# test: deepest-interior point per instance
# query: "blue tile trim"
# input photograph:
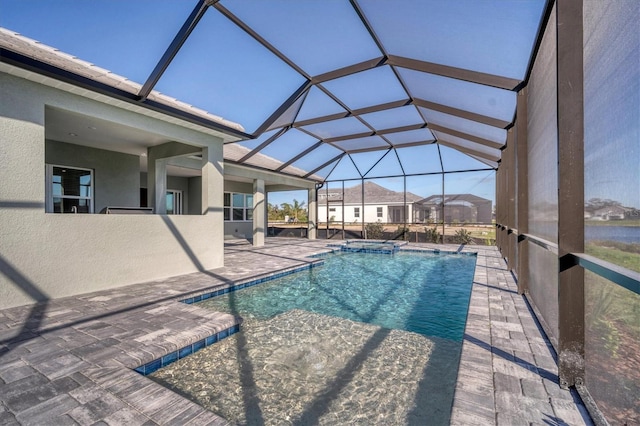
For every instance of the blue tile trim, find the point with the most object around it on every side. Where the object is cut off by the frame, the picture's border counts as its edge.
(438, 251)
(157, 364)
(241, 285)
(366, 250)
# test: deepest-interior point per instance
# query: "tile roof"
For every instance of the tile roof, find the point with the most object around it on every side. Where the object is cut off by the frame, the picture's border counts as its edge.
(33, 49)
(373, 193)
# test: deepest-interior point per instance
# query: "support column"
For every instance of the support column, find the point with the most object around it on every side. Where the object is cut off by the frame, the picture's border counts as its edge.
(442, 208)
(259, 209)
(511, 205)
(362, 210)
(156, 182)
(266, 213)
(312, 213)
(522, 174)
(212, 181)
(570, 95)
(157, 159)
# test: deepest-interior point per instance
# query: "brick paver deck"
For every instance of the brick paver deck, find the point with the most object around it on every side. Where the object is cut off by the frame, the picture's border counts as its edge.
(69, 361)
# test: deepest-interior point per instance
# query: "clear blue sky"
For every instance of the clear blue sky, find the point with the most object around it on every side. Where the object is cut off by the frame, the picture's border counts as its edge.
(221, 69)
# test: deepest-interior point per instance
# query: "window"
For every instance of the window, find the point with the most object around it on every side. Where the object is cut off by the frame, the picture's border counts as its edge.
(356, 212)
(238, 207)
(379, 211)
(69, 190)
(174, 201)
(332, 209)
(227, 206)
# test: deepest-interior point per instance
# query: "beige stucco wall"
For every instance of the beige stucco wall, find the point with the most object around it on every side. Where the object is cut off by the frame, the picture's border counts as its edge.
(235, 229)
(116, 175)
(183, 184)
(45, 256)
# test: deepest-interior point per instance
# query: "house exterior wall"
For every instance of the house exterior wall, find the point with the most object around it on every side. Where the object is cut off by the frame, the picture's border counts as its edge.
(177, 183)
(485, 214)
(277, 182)
(238, 229)
(370, 212)
(45, 256)
(195, 195)
(116, 175)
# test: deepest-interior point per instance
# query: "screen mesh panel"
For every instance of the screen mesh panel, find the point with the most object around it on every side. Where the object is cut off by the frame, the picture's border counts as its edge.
(612, 129)
(543, 286)
(543, 140)
(612, 333)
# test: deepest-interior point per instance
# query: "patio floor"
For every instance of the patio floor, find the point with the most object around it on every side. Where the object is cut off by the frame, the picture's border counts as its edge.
(69, 361)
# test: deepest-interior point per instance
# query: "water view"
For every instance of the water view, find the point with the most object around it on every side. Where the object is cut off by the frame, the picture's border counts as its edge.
(623, 234)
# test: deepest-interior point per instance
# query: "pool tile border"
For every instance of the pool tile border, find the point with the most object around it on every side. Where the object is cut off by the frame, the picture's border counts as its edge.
(249, 283)
(153, 366)
(397, 249)
(436, 251)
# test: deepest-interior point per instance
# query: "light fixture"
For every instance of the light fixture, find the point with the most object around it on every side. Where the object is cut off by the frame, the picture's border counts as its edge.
(73, 134)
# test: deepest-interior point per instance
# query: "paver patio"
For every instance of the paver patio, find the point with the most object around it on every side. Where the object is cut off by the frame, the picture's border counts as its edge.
(69, 361)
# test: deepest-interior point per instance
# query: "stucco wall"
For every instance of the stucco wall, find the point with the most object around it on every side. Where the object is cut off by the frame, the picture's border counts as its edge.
(45, 256)
(235, 229)
(116, 175)
(178, 183)
(195, 195)
(240, 187)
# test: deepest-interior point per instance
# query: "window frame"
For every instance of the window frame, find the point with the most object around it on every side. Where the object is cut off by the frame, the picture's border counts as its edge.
(356, 212)
(230, 209)
(178, 201)
(379, 212)
(49, 188)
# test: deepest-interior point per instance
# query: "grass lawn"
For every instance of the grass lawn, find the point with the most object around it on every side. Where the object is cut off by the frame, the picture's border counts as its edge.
(626, 259)
(626, 222)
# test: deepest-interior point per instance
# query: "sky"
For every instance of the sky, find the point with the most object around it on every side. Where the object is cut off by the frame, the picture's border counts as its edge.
(224, 71)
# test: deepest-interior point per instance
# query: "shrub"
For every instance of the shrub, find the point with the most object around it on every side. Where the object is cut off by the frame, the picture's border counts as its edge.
(463, 237)
(374, 231)
(433, 236)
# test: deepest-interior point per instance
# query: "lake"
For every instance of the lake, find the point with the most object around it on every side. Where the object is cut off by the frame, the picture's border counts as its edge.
(623, 234)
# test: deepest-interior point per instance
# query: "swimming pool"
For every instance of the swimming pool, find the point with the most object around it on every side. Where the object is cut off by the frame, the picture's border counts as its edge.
(424, 292)
(364, 339)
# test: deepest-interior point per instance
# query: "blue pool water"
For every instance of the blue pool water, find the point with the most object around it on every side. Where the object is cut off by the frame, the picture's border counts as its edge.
(425, 293)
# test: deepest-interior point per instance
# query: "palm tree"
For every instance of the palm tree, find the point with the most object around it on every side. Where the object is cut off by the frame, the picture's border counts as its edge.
(274, 212)
(296, 209)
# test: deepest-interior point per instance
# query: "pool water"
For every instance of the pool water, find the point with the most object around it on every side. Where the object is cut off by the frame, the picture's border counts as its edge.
(424, 293)
(371, 339)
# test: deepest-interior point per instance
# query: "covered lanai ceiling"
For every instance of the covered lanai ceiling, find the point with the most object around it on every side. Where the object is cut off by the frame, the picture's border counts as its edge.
(328, 89)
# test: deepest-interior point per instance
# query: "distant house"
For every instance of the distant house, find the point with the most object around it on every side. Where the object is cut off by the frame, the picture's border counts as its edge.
(610, 213)
(387, 206)
(381, 204)
(457, 208)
